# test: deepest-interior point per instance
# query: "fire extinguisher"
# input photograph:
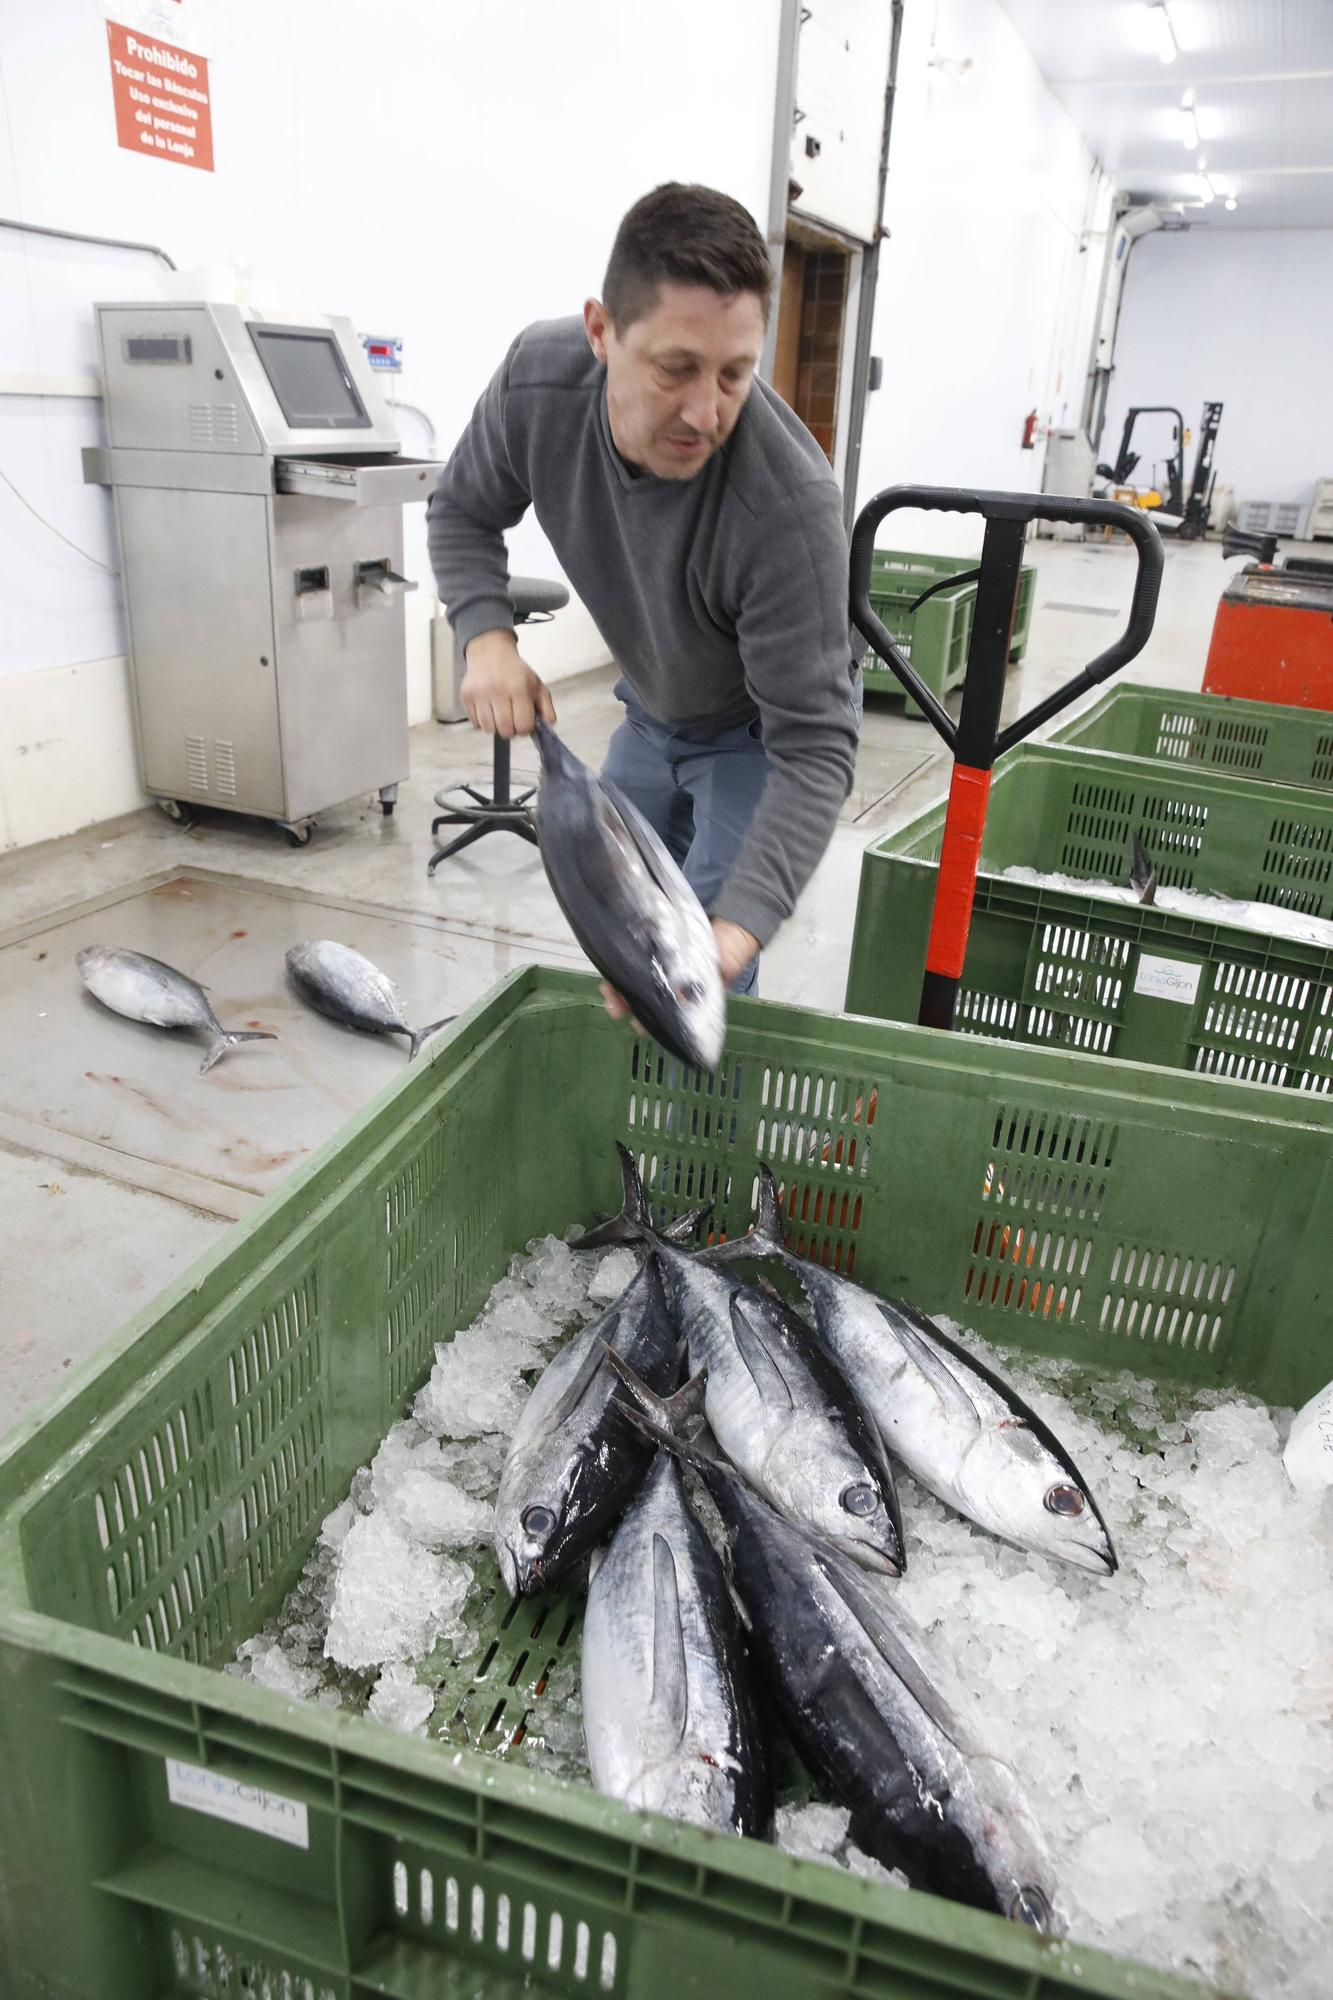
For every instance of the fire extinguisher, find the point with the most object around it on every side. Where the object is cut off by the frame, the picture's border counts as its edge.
(1030, 431)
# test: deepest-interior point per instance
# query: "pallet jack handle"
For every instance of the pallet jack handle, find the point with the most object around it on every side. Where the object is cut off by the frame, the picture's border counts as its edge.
(977, 739)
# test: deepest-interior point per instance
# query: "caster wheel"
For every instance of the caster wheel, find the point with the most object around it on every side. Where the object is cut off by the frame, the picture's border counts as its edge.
(387, 806)
(174, 810)
(298, 836)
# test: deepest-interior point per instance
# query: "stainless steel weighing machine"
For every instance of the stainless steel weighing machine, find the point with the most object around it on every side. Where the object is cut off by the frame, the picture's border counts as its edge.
(258, 487)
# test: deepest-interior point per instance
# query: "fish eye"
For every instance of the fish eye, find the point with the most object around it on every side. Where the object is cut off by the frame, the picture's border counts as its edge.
(688, 991)
(859, 1500)
(1031, 1906)
(538, 1522)
(1066, 1501)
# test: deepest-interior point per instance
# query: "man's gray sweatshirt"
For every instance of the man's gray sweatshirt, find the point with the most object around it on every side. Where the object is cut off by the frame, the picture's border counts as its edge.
(722, 598)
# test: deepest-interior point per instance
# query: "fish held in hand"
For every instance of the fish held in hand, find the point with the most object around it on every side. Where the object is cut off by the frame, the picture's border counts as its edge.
(143, 989)
(957, 1427)
(629, 906)
(349, 988)
(669, 1714)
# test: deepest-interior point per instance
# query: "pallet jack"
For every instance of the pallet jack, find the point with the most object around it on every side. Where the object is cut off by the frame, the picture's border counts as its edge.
(976, 739)
(1273, 632)
(1176, 513)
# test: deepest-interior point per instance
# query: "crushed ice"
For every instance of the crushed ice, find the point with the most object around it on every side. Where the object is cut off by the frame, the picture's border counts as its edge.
(1172, 1728)
(1269, 918)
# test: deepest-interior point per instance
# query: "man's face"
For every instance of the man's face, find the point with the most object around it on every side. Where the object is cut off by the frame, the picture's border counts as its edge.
(678, 376)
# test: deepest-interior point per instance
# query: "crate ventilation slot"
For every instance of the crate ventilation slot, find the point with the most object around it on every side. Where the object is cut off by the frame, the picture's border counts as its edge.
(674, 1182)
(165, 1556)
(672, 1100)
(217, 1973)
(288, 1495)
(274, 1370)
(986, 1013)
(1097, 830)
(1220, 741)
(1164, 1297)
(512, 1927)
(1322, 768)
(1297, 866)
(821, 1221)
(1038, 1272)
(817, 1121)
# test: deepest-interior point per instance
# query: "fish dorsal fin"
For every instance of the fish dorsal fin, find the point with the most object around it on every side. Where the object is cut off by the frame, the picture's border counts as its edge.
(899, 1651)
(758, 1356)
(933, 1365)
(576, 1388)
(671, 1687)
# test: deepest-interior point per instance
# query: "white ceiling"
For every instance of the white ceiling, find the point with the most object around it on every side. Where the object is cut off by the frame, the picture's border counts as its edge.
(1262, 76)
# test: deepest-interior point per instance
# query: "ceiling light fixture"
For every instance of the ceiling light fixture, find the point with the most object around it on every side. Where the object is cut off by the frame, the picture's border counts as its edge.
(1162, 32)
(1207, 192)
(1189, 124)
(1230, 201)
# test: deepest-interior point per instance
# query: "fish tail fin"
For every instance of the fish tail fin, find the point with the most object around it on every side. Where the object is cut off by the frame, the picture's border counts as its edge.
(764, 1237)
(226, 1040)
(1142, 874)
(416, 1036)
(633, 1224)
(673, 1420)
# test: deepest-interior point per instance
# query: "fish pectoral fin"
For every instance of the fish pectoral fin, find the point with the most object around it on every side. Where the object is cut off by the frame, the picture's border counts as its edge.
(932, 1364)
(635, 831)
(670, 1699)
(898, 1651)
(583, 1377)
(758, 1356)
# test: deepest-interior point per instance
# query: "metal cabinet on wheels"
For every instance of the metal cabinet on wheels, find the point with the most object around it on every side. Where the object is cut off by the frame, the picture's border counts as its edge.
(258, 488)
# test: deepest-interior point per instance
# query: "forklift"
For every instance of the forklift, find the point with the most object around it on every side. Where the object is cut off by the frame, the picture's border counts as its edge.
(1184, 517)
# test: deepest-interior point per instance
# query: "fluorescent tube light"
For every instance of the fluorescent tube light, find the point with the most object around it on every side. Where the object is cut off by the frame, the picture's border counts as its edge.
(1163, 34)
(1207, 192)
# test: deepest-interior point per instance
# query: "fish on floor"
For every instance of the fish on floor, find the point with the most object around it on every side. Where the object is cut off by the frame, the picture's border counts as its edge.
(348, 988)
(629, 906)
(143, 989)
(669, 1713)
(958, 1428)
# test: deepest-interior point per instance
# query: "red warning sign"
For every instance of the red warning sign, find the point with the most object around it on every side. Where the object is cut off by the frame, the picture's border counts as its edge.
(161, 97)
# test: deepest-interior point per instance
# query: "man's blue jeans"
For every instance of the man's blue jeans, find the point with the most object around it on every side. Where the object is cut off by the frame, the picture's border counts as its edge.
(698, 792)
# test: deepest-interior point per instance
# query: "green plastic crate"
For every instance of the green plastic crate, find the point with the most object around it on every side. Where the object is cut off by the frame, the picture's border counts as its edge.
(157, 1510)
(1257, 739)
(889, 562)
(1051, 965)
(935, 639)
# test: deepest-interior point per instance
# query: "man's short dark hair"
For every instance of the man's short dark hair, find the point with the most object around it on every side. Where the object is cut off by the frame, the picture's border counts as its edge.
(686, 235)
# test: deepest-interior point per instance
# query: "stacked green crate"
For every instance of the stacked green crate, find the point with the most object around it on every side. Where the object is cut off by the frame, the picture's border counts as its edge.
(1055, 965)
(1257, 739)
(171, 1830)
(936, 637)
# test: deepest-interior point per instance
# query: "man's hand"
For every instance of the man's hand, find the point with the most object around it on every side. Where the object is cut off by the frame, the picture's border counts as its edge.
(500, 692)
(735, 948)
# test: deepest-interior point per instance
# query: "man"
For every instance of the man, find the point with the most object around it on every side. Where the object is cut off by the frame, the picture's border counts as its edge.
(701, 525)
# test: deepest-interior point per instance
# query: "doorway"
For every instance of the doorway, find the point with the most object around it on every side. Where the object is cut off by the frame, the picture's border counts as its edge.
(812, 333)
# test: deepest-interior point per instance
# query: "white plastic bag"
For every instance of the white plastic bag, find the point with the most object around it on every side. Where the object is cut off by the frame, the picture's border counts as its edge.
(1309, 1452)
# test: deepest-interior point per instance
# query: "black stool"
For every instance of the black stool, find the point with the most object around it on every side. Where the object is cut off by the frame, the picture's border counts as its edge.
(534, 600)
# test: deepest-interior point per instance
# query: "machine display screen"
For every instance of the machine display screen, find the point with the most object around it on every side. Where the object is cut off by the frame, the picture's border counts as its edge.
(310, 379)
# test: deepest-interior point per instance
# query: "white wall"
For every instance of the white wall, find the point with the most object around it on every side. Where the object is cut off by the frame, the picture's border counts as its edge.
(985, 300)
(1244, 318)
(443, 172)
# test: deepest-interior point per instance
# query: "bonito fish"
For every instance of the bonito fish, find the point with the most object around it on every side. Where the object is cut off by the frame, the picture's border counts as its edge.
(957, 1427)
(144, 989)
(779, 1410)
(349, 988)
(668, 1710)
(629, 906)
(878, 1721)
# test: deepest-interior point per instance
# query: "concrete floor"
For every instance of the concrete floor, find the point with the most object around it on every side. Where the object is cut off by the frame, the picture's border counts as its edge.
(119, 1163)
